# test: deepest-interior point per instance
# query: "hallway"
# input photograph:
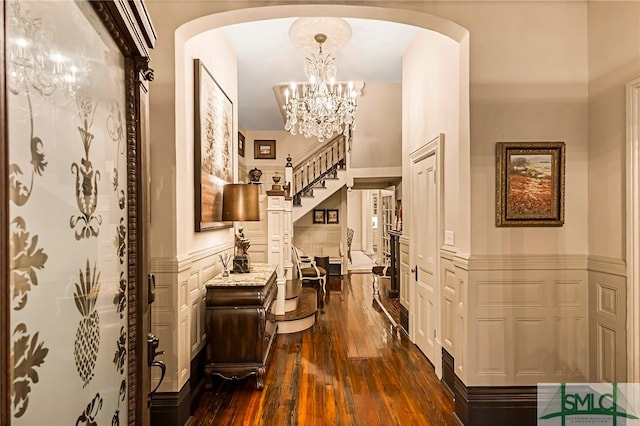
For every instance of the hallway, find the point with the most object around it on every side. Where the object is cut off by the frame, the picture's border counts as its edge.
(348, 369)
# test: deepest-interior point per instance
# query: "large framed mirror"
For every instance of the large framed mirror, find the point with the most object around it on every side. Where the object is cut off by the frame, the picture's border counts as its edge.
(72, 233)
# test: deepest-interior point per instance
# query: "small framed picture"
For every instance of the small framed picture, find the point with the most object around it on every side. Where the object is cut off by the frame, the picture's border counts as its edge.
(264, 149)
(318, 215)
(240, 144)
(530, 183)
(332, 216)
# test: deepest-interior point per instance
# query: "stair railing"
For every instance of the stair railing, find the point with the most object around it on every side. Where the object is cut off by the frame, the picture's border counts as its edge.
(317, 166)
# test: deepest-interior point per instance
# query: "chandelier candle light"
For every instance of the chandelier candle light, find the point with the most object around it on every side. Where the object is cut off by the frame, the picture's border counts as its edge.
(320, 107)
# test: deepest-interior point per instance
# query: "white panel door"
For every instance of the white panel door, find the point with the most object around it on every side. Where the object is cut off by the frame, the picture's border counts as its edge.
(424, 242)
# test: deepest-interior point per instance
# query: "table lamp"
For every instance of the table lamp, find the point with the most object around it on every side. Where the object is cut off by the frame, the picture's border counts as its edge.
(240, 203)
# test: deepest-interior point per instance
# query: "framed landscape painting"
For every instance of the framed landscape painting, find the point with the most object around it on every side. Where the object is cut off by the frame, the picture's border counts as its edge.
(264, 149)
(213, 148)
(530, 183)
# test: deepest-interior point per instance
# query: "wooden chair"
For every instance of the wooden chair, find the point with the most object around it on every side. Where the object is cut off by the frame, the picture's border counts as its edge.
(350, 233)
(308, 270)
(380, 271)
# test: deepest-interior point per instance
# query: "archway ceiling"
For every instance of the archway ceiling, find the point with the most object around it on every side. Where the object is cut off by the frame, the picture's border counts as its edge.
(266, 57)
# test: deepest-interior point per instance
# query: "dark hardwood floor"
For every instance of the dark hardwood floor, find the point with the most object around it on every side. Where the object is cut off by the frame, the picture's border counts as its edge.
(348, 369)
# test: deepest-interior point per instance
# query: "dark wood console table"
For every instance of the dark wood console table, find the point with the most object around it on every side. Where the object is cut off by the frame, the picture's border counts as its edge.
(394, 265)
(240, 324)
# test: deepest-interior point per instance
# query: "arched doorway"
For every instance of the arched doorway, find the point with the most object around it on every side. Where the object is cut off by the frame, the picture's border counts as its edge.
(170, 108)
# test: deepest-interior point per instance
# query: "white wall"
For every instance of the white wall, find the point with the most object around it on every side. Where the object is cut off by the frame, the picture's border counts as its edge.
(431, 86)
(354, 220)
(182, 259)
(378, 137)
(614, 60)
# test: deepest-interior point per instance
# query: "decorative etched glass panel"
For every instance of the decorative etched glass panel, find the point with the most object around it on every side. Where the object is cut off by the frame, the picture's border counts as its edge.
(68, 209)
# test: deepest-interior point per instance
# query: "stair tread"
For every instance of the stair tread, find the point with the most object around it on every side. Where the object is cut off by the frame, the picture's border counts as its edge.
(307, 306)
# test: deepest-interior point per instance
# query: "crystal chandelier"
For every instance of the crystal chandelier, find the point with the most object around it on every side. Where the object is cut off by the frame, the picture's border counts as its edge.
(320, 107)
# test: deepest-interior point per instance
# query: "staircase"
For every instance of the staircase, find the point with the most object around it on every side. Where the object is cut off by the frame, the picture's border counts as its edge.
(318, 176)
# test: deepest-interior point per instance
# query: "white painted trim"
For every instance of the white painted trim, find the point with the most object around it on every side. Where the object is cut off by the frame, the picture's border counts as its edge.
(433, 147)
(295, 326)
(447, 252)
(183, 262)
(607, 265)
(633, 231)
(527, 262)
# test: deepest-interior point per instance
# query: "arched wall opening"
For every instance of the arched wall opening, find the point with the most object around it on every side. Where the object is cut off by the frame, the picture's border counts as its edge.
(453, 41)
(184, 259)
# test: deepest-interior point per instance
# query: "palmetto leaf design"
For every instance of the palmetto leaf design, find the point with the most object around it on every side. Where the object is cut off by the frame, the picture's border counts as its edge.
(121, 351)
(120, 242)
(86, 293)
(120, 299)
(27, 354)
(115, 179)
(88, 417)
(26, 257)
(18, 191)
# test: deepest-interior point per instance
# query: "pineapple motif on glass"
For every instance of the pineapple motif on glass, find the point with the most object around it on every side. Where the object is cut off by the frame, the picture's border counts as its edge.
(85, 350)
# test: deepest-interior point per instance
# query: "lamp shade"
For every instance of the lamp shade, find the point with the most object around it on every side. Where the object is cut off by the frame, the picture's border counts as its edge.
(240, 202)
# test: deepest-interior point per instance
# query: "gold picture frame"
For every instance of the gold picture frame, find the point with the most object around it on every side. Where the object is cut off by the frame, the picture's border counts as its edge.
(530, 183)
(213, 148)
(264, 149)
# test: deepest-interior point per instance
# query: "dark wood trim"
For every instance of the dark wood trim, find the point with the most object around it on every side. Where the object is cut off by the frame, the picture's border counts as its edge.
(171, 408)
(404, 318)
(133, 35)
(448, 371)
(5, 316)
(495, 405)
(198, 378)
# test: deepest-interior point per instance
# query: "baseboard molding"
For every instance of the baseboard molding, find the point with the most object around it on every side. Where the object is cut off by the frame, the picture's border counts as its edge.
(171, 408)
(495, 405)
(404, 319)
(448, 371)
(197, 378)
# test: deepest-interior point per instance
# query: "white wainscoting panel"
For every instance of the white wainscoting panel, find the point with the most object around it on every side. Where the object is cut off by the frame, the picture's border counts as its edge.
(491, 335)
(449, 300)
(177, 315)
(527, 320)
(530, 356)
(607, 324)
(462, 335)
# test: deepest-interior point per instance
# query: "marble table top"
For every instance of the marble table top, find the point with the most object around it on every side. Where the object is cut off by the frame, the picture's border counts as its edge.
(260, 273)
